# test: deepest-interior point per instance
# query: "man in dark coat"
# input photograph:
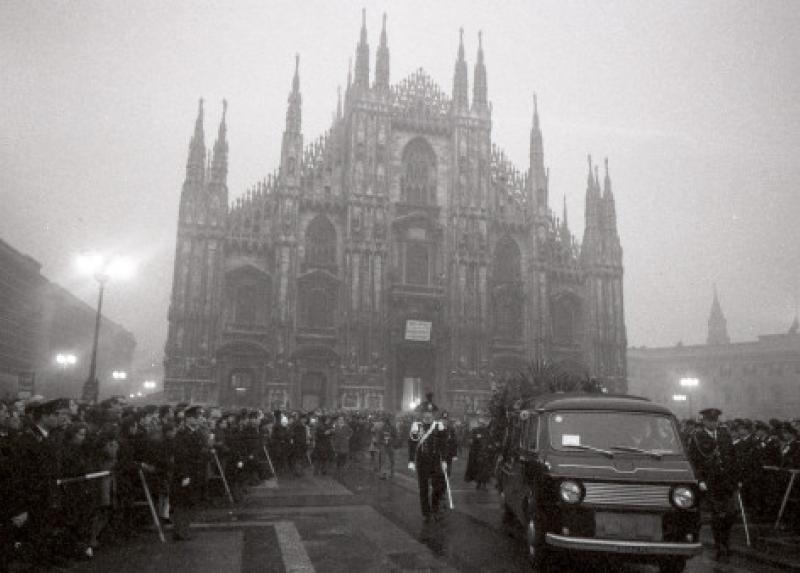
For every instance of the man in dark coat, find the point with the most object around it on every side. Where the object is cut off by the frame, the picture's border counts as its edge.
(189, 473)
(451, 443)
(298, 434)
(749, 454)
(713, 456)
(479, 462)
(427, 449)
(36, 458)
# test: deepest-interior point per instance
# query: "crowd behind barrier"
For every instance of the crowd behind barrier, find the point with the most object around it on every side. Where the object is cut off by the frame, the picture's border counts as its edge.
(767, 457)
(77, 477)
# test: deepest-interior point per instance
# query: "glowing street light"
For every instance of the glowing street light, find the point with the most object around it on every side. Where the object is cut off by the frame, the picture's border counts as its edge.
(689, 382)
(679, 397)
(103, 268)
(149, 384)
(119, 375)
(66, 359)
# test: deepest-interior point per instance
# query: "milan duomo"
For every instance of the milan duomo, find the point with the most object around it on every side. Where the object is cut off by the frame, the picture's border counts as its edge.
(398, 253)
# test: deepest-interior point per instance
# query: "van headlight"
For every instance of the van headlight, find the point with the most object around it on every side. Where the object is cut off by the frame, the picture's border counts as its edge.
(570, 491)
(683, 497)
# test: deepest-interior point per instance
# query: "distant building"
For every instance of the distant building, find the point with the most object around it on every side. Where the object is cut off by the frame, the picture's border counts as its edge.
(400, 252)
(40, 320)
(67, 327)
(756, 379)
(20, 314)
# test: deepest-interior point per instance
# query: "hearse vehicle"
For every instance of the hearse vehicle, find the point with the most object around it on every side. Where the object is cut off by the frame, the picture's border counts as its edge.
(596, 473)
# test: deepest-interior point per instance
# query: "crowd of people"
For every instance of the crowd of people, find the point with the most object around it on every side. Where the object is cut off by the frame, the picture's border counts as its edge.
(72, 476)
(763, 451)
(75, 477)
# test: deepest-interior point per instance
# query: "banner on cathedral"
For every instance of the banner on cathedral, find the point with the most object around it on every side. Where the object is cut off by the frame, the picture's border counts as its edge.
(418, 330)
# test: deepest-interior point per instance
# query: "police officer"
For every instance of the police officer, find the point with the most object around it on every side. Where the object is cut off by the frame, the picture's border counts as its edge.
(713, 456)
(189, 476)
(426, 454)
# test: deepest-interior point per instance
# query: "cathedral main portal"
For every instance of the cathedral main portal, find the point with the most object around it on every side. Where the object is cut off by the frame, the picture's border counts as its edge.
(415, 374)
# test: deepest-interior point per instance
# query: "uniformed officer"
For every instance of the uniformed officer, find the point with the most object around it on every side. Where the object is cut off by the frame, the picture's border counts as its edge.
(713, 456)
(426, 455)
(191, 460)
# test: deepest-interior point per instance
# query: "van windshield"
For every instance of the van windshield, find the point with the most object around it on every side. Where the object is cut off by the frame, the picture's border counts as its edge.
(612, 432)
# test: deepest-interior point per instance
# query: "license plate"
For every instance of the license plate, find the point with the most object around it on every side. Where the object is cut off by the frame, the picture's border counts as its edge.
(630, 526)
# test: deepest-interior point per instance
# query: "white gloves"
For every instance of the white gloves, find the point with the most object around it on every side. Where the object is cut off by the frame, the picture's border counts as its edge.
(412, 466)
(185, 482)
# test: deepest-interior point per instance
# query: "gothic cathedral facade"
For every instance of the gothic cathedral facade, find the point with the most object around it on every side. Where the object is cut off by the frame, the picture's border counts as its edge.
(399, 253)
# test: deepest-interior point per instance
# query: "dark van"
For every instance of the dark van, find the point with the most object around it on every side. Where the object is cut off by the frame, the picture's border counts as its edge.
(600, 474)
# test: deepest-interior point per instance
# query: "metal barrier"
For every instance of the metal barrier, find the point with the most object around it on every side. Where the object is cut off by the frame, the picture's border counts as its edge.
(793, 474)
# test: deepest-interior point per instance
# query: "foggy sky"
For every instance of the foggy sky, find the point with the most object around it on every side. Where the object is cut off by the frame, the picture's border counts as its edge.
(696, 104)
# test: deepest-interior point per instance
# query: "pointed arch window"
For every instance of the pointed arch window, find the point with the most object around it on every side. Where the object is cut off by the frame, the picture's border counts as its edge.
(508, 262)
(508, 293)
(321, 242)
(565, 312)
(418, 181)
(417, 264)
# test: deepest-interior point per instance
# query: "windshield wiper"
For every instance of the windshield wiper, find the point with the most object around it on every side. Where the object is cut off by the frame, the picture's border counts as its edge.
(590, 448)
(656, 454)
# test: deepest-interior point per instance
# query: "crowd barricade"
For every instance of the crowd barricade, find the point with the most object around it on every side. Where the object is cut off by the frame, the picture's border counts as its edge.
(220, 475)
(789, 487)
(148, 501)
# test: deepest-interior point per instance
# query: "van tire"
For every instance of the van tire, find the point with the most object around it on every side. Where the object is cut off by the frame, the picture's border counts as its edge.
(674, 565)
(538, 552)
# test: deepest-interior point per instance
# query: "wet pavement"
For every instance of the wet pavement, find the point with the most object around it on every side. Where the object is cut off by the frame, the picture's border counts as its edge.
(356, 522)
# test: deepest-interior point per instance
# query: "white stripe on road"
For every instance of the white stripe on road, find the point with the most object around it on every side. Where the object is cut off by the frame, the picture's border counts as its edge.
(295, 558)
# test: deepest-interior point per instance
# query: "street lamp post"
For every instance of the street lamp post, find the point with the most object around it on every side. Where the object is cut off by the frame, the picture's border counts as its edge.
(103, 269)
(91, 388)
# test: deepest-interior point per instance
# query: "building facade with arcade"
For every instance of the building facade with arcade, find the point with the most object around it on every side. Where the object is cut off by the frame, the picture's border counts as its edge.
(400, 252)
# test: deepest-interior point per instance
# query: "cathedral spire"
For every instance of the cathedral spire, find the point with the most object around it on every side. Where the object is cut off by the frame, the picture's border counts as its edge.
(607, 194)
(219, 166)
(382, 61)
(537, 173)
(566, 236)
(293, 112)
(717, 325)
(362, 55)
(610, 206)
(195, 166)
(479, 84)
(339, 102)
(460, 78)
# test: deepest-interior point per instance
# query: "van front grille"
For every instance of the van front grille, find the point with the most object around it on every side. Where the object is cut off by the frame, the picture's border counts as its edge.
(626, 494)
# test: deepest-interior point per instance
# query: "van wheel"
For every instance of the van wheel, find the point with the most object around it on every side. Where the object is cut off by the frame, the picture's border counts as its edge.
(538, 551)
(675, 565)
